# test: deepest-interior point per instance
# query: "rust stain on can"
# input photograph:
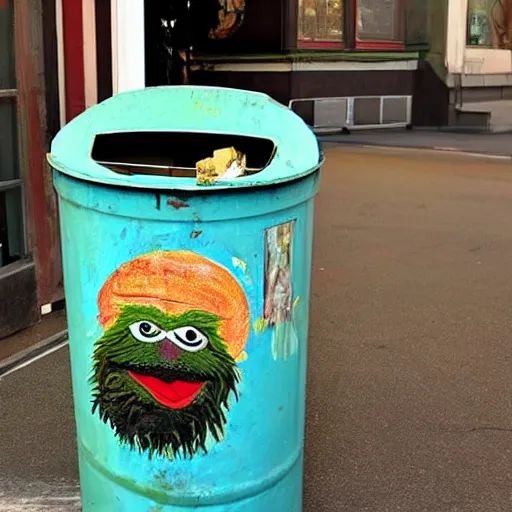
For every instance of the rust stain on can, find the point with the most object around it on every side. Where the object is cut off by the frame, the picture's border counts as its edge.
(176, 203)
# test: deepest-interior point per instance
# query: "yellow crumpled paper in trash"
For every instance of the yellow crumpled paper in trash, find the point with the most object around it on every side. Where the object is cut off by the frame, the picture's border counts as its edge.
(226, 164)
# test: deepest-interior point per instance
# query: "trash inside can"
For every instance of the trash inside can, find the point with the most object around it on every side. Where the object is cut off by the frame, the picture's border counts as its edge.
(188, 303)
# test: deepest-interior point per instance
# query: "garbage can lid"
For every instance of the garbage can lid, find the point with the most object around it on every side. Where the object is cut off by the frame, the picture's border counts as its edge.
(152, 138)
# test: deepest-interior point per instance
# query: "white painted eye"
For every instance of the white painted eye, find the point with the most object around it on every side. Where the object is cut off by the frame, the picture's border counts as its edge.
(188, 338)
(147, 332)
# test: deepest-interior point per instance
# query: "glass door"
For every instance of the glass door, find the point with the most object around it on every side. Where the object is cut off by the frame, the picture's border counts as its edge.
(12, 237)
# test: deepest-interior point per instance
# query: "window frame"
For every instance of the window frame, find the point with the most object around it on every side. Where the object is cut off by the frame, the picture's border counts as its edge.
(323, 44)
(320, 45)
(10, 96)
(351, 40)
(20, 274)
(376, 44)
(41, 262)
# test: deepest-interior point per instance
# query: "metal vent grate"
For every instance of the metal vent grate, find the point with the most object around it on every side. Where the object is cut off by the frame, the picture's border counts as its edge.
(330, 112)
(355, 112)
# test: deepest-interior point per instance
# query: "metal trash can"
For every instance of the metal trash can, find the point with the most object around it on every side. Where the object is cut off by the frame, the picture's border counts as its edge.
(187, 305)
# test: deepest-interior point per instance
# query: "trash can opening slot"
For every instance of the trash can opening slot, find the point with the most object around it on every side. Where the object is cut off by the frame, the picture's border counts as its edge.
(174, 153)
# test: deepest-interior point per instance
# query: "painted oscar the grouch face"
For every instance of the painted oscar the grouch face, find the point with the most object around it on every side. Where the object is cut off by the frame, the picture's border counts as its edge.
(165, 368)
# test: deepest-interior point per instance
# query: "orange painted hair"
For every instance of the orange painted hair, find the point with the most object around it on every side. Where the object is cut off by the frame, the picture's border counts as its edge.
(176, 282)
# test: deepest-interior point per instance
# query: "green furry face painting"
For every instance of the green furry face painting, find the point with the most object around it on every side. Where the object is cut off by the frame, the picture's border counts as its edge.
(165, 369)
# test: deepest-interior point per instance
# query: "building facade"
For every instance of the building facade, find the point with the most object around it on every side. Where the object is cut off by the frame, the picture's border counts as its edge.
(334, 61)
(354, 63)
(338, 63)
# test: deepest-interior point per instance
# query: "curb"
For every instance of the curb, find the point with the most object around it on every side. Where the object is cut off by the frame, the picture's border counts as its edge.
(32, 352)
(439, 149)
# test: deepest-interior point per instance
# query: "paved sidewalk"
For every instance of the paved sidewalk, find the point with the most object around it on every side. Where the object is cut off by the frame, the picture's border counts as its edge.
(410, 360)
(499, 144)
(49, 326)
(38, 456)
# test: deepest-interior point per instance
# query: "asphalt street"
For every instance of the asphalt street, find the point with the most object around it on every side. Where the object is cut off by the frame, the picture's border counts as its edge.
(409, 385)
(38, 459)
(494, 144)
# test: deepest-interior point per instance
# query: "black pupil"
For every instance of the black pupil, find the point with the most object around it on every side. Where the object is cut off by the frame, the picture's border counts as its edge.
(191, 335)
(145, 328)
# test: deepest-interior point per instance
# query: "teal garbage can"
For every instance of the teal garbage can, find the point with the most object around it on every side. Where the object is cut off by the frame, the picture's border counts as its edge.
(187, 304)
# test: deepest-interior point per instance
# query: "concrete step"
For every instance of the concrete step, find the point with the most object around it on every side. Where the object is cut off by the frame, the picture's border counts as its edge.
(483, 116)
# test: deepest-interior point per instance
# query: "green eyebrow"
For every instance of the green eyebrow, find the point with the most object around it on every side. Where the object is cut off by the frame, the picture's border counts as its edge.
(133, 313)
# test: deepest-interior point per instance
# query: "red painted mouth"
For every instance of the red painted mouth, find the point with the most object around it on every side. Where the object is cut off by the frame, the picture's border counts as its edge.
(176, 395)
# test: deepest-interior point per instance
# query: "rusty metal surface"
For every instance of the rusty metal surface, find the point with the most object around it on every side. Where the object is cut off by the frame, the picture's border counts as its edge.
(41, 208)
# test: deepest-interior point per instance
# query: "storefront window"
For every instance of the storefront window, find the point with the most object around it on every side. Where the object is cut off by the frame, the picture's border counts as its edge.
(7, 79)
(379, 20)
(11, 209)
(321, 20)
(480, 22)
(416, 22)
(490, 24)
(368, 23)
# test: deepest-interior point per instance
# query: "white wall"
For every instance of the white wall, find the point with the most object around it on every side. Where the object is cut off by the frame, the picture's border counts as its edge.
(128, 62)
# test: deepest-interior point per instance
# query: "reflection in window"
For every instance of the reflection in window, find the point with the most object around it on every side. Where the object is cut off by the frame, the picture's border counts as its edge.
(11, 226)
(7, 75)
(490, 23)
(378, 20)
(321, 20)
(416, 24)
(8, 140)
(12, 239)
(480, 22)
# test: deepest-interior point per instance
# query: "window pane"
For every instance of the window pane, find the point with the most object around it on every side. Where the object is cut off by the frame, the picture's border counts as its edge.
(416, 22)
(7, 75)
(11, 226)
(490, 23)
(8, 140)
(321, 20)
(378, 20)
